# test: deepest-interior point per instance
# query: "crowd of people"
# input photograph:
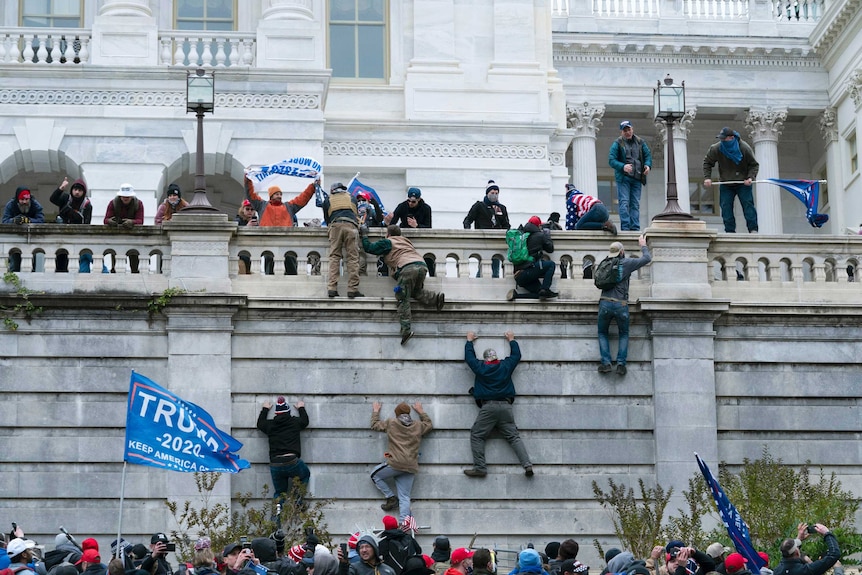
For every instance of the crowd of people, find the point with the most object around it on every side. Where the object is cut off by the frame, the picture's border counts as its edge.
(394, 551)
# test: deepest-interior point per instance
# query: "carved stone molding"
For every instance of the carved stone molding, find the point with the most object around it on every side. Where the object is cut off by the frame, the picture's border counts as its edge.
(557, 159)
(434, 150)
(164, 99)
(765, 124)
(829, 125)
(288, 10)
(854, 87)
(585, 119)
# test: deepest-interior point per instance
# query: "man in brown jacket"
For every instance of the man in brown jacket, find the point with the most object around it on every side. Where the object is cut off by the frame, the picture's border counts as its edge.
(402, 455)
(410, 271)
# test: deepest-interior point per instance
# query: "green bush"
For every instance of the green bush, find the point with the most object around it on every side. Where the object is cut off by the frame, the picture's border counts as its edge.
(637, 522)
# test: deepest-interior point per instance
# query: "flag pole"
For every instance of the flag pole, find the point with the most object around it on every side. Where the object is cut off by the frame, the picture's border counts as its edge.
(760, 182)
(120, 521)
(352, 180)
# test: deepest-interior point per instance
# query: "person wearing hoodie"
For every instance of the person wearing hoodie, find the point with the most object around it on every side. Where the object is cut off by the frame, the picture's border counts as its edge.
(586, 212)
(529, 561)
(489, 214)
(173, 203)
(395, 545)
(441, 554)
(23, 209)
(65, 551)
(401, 456)
(369, 559)
(285, 448)
(537, 275)
(494, 392)
(75, 206)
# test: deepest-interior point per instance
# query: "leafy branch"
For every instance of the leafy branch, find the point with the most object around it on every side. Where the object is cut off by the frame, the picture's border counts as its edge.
(26, 307)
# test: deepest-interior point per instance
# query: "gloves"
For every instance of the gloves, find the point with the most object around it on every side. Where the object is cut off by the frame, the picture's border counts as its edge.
(127, 223)
(363, 231)
(19, 219)
(114, 221)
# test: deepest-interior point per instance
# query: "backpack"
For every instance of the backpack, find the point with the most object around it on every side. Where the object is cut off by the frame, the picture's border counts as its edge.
(518, 253)
(608, 273)
(396, 551)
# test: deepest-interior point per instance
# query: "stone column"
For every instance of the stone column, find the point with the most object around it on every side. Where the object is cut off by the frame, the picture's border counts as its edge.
(291, 34)
(514, 32)
(681, 130)
(125, 34)
(585, 121)
(765, 127)
(834, 173)
(434, 32)
(199, 251)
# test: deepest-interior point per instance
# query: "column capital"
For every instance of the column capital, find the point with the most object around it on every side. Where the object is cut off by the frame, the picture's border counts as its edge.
(829, 125)
(126, 8)
(853, 86)
(765, 124)
(584, 119)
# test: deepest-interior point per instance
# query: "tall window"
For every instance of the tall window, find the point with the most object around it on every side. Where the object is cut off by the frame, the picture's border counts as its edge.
(51, 13)
(357, 38)
(205, 14)
(854, 153)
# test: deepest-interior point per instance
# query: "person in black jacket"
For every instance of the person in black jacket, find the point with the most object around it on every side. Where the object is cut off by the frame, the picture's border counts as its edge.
(155, 562)
(489, 214)
(412, 212)
(677, 561)
(792, 562)
(285, 450)
(75, 206)
(535, 276)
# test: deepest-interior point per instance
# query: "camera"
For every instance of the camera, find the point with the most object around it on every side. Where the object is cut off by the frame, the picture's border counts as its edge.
(674, 551)
(170, 547)
(246, 544)
(344, 552)
(811, 528)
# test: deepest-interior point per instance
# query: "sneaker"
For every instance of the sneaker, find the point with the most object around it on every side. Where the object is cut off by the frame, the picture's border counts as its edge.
(510, 295)
(528, 471)
(405, 337)
(473, 472)
(332, 293)
(441, 301)
(605, 368)
(621, 369)
(609, 226)
(753, 231)
(547, 294)
(355, 294)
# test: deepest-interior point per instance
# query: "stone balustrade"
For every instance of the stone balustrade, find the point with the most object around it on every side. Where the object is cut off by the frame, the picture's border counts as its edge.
(44, 46)
(202, 48)
(807, 11)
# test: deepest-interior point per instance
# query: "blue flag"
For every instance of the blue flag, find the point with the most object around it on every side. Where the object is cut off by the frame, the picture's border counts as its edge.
(808, 192)
(355, 186)
(736, 527)
(163, 430)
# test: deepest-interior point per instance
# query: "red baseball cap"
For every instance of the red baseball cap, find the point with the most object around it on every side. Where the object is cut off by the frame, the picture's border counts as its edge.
(734, 562)
(460, 554)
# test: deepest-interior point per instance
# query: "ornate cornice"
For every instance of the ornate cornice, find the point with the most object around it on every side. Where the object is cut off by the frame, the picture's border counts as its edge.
(834, 20)
(155, 99)
(829, 125)
(434, 150)
(854, 87)
(585, 119)
(765, 124)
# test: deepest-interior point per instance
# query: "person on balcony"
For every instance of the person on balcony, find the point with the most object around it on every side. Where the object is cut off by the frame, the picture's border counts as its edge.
(275, 212)
(631, 160)
(536, 275)
(737, 166)
(75, 206)
(412, 212)
(173, 203)
(125, 210)
(489, 214)
(22, 209)
(409, 271)
(342, 218)
(246, 216)
(586, 212)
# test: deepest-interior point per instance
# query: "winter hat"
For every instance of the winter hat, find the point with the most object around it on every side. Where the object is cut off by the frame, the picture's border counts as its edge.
(442, 549)
(535, 221)
(281, 406)
(22, 193)
(552, 549)
(402, 408)
(174, 189)
(139, 551)
(296, 553)
(491, 186)
(413, 192)
(351, 543)
(529, 558)
(126, 191)
(390, 522)
(89, 543)
(264, 549)
(615, 250)
(611, 553)
(554, 217)
(90, 556)
(273, 190)
(734, 563)
(460, 554)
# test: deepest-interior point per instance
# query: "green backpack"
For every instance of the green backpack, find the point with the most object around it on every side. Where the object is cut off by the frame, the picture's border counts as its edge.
(517, 253)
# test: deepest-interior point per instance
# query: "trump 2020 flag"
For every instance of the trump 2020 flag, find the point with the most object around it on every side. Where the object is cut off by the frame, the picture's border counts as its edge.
(298, 167)
(163, 430)
(737, 529)
(355, 186)
(808, 192)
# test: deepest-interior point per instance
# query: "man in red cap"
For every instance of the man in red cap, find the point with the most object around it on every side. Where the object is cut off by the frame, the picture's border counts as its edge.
(22, 209)
(529, 274)
(285, 448)
(462, 561)
(396, 545)
(90, 563)
(735, 565)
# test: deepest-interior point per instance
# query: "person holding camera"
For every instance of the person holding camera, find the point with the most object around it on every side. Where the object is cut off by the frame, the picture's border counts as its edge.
(794, 563)
(369, 562)
(677, 561)
(155, 563)
(239, 558)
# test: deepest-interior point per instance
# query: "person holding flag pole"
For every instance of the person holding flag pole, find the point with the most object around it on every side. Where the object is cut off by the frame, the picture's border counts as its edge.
(735, 161)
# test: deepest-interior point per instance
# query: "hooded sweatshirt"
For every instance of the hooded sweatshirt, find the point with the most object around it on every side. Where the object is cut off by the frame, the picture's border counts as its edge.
(73, 210)
(363, 568)
(402, 452)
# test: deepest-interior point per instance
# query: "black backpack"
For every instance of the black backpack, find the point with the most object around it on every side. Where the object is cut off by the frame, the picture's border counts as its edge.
(396, 551)
(608, 273)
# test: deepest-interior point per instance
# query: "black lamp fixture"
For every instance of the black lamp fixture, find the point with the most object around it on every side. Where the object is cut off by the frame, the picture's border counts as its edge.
(669, 105)
(200, 98)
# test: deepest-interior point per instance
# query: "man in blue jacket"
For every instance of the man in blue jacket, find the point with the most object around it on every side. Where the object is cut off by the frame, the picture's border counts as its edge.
(631, 160)
(494, 392)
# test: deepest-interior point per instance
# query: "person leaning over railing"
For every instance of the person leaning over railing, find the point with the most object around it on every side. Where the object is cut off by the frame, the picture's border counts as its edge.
(22, 209)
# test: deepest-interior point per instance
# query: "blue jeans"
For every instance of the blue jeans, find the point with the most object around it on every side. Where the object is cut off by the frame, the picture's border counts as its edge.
(610, 310)
(726, 194)
(403, 485)
(528, 278)
(282, 478)
(629, 197)
(595, 217)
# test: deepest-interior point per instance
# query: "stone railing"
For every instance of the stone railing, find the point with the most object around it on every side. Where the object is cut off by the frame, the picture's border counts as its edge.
(806, 11)
(194, 48)
(717, 9)
(44, 46)
(626, 8)
(268, 262)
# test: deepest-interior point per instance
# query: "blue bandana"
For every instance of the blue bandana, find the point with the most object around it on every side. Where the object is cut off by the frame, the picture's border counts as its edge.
(731, 148)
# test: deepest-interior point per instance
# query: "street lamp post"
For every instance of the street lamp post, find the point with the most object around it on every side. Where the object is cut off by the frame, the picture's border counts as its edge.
(200, 98)
(669, 103)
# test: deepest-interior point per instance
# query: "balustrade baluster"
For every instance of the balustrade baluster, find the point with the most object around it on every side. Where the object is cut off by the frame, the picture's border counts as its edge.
(68, 53)
(56, 54)
(220, 55)
(233, 57)
(3, 52)
(248, 54)
(84, 51)
(165, 52)
(42, 51)
(207, 56)
(194, 57)
(179, 55)
(28, 49)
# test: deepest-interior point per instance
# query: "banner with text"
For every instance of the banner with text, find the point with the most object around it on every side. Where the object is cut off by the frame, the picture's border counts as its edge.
(298, 167)
(163, 430)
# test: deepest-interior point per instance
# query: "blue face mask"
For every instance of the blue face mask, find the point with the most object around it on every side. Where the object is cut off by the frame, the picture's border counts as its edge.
(493, 196)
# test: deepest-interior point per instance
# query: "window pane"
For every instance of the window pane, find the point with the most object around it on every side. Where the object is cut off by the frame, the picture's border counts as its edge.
(223, 26)
(37, 6)
(33, 22)
(66, 22)
(370, 10)
(190, 9)
(220, 9)
(342, 57)
(371, 51)
(342, 10)
(67, 7)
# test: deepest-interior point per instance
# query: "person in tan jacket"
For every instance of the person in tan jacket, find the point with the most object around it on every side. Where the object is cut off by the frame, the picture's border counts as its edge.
(402, 454)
